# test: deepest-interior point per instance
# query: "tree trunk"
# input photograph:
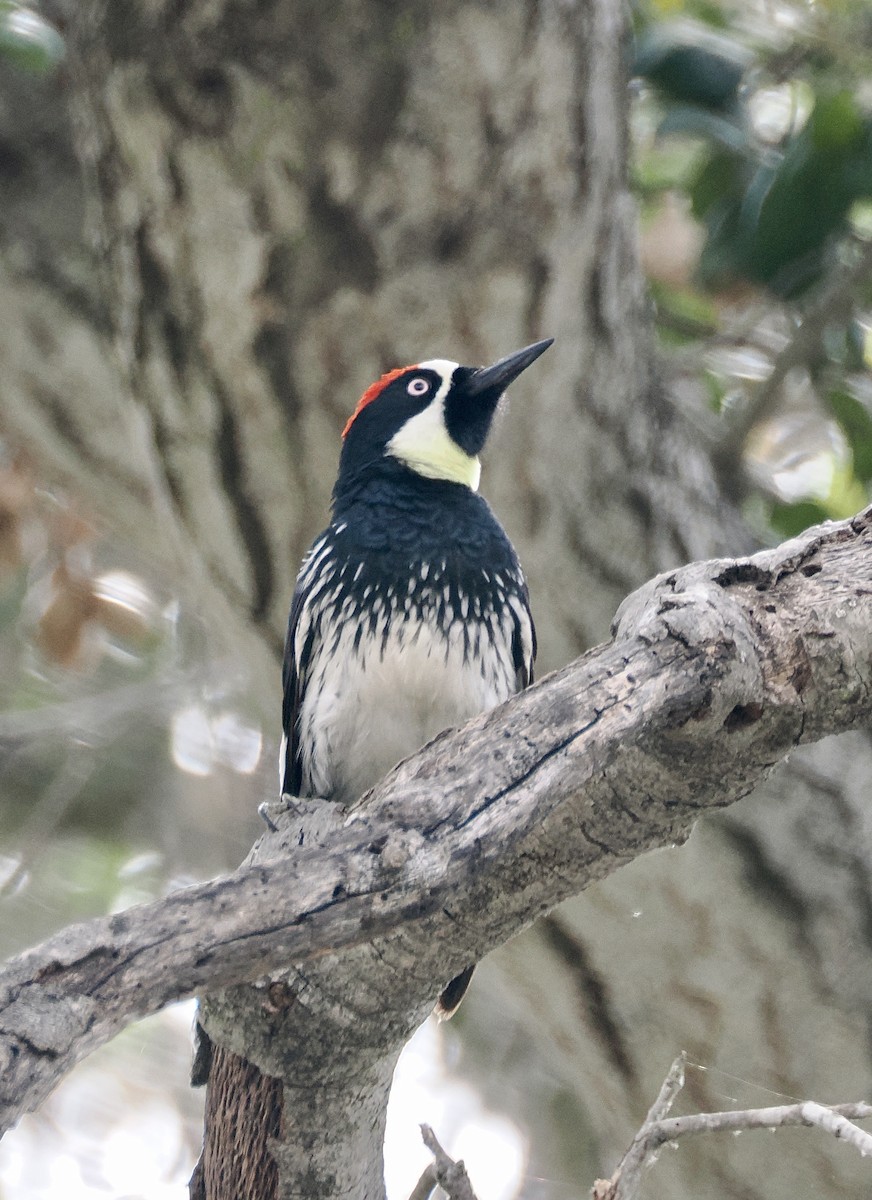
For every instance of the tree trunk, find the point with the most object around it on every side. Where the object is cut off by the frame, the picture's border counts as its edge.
(285, 199)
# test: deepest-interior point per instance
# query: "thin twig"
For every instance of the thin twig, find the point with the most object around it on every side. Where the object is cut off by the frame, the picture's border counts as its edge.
(625, 1179)
(636, 1158)
(450, 1175)
(658, 1129)
(834, 1118)
(838, 1125)
(669, 1089)
(48, 811)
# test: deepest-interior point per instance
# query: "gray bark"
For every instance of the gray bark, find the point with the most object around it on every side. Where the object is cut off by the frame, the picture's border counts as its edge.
(279, 201)
(279, 217)
(714, 673)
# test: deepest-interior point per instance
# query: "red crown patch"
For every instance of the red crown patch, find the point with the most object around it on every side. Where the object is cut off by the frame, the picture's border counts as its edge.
(373, 392)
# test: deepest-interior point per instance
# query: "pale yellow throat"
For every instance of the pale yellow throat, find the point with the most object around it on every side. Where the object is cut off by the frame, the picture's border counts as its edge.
(424, 444)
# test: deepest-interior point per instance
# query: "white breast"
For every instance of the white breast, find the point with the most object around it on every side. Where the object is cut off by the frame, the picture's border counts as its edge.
(370, 705)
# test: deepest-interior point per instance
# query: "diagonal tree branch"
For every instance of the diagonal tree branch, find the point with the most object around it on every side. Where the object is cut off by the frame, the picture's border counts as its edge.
(714, 673)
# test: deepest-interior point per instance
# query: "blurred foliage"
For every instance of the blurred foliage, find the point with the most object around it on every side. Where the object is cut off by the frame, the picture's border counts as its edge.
(27, 40)
(753, 140)
(121, 735)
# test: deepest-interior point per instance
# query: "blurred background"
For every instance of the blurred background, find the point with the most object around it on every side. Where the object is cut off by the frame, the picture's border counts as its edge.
(206, 252)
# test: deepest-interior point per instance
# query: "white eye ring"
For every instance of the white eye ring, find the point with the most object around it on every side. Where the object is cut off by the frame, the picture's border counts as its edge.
(418, 386)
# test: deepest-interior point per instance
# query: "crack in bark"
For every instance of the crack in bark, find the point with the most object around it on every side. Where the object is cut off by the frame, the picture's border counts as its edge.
(521, 779)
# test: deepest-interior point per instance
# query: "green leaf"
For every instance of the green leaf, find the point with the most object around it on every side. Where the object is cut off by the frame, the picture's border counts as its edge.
(847, 494)
(789, 216)
(853, 349)
(697, 121)
(836, 123)
(27, 41)
(721, 177)
(791, 519)
(687, 315)
(858, 166)
(856, 423)
(691, 65)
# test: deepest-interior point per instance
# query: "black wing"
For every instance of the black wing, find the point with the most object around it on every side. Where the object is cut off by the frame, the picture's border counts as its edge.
(299, 646)
(523, 638)
(523, 659)
(290, 767)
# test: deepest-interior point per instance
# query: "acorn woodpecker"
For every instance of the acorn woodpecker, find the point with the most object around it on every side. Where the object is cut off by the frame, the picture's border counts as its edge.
(411, 612)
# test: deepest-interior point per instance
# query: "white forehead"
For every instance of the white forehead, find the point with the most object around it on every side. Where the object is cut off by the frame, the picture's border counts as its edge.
(442, 366)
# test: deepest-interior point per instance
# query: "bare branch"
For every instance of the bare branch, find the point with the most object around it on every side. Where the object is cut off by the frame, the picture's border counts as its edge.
(450, 1175)
(833, 1118)
(716, 671)
(669, 1089)
(656, 1132)
(625, 1179)
(837, 1123)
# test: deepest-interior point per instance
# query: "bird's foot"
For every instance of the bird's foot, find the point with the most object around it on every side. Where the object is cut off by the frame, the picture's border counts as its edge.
(301, 820)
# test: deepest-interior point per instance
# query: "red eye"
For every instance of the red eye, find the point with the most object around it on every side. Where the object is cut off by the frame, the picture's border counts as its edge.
(418, 386)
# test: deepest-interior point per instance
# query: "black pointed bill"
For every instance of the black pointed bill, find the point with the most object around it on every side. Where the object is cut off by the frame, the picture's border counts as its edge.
(502, 373)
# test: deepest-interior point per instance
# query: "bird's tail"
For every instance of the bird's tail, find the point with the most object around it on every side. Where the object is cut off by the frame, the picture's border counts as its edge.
(452, 994)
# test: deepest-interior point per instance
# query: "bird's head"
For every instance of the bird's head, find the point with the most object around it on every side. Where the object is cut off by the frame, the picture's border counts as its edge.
(432, 418)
